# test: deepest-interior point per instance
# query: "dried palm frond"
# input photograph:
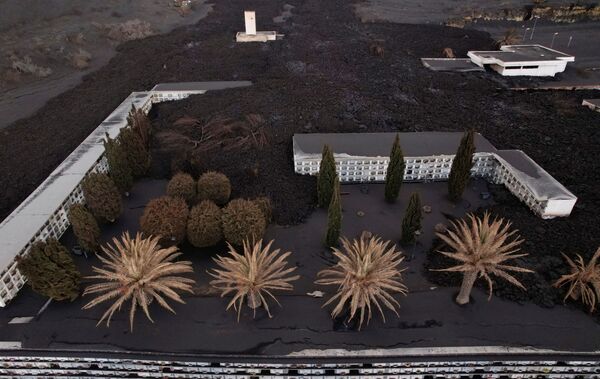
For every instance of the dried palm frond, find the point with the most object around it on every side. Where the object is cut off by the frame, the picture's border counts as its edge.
(141, 271)
(584, 280)
(482, 247)
(366, 273)
(252, 275)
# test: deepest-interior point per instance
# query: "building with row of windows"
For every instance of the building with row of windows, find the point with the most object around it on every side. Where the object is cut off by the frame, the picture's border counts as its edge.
(364, 157)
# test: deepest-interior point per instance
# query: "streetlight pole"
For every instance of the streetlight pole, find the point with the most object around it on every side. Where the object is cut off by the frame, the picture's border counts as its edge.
(525, 33)
(553, 37)
(570, 39)
(533, 30)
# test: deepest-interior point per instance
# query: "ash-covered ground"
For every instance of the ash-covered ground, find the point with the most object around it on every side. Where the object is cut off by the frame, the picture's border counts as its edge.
(322, 77)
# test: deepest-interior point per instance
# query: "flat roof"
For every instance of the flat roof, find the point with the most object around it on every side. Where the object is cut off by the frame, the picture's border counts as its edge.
(523, 53)
(451, 64)
(201, 86)
(592, 102)
(534, 177)
(416, 144)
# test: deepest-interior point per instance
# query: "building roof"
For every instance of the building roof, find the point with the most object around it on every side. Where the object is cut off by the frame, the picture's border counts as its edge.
(522, 53)
(200, 86)
(534, 177)
(417, 144)
(451, 64)
(592, 103)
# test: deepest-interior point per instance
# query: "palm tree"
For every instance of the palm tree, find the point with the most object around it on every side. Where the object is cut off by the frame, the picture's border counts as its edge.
(366, 274)
(141, 271)
(482, 248)
(252, 275)
(583, 280)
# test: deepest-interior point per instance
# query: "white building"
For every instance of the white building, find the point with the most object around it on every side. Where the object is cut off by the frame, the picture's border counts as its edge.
(251, 35)
(364, 157)
(523, 60)
(593, 104)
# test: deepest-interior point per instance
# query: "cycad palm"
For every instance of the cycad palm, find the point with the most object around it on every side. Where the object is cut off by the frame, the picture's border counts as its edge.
(367, 272)
(482, 247)
(252, 275)
(141, 271)
(583, 280)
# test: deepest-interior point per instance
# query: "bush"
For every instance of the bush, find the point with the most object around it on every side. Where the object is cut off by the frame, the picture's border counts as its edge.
(183, 186)
(214, 186)
(165, 217)
(102, 197)
(264, 203)
(204, 224)
(243, 220)
(85, 227)
(50, 271)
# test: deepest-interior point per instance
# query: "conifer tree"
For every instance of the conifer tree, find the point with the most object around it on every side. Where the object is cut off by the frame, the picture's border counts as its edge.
(460, 173)
(412, 219)
(137, 154)
(326, 178)
(334, 216)
(50, 271)
(395, 172)
(85, 227)
(102, 196)
(118, 164)
(138, 122)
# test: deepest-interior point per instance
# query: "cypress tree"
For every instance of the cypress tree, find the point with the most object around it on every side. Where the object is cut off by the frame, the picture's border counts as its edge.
(334, 216)
(412, 219)
(50, 270)
(460, 173)
(85, 227)
(137, 154)
(118, 164)
(102, 197)
(395, 172)
(326, 178)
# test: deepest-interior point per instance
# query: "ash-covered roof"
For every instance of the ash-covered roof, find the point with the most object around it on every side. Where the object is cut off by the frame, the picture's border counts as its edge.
(417, 144)
(523, 53)
(200, 86)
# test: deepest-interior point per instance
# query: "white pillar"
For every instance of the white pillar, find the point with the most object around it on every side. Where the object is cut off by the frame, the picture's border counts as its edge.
(250, 18)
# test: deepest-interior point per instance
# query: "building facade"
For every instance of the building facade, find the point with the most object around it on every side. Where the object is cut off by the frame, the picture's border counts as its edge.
(523, 60)
(428, 156)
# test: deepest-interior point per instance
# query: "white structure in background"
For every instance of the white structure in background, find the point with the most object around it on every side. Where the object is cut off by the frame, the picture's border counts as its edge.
(43, 214)
(523, 60)
(364, 157)
(593, 104)
(251, 35)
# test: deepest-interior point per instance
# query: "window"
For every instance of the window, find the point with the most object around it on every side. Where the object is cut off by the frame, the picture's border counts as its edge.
(530, 67)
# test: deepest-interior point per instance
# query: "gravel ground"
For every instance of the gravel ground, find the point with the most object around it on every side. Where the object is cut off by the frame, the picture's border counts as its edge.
(322, 78)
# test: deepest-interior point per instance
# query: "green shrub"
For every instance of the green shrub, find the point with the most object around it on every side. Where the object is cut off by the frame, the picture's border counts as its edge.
(264, 203)
(243, 219)
(214, 186)
(183, 186)
(50, 271)
(102, 197)
(85, 227)
(165, 217)
(118, 164)
(204, 224)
